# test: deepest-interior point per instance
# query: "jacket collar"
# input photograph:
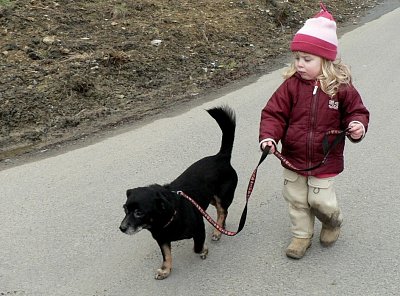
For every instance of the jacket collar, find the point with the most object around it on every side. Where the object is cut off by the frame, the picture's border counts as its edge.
(310, 82)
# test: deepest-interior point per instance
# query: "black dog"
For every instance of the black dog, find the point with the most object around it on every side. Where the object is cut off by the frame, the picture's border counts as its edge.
(169, 216)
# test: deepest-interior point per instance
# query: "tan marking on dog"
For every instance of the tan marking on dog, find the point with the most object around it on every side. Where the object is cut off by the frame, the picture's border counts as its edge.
(166, 266)
(204, 253)
(221, 217)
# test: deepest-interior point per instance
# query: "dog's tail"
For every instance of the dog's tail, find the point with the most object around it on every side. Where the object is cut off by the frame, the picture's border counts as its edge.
(226, 119)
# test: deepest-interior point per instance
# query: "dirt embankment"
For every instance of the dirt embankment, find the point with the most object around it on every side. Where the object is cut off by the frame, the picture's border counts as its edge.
(72, 68)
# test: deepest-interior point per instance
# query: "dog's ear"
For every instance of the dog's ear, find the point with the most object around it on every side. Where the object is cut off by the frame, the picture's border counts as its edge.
(128, 192)
(162, 203)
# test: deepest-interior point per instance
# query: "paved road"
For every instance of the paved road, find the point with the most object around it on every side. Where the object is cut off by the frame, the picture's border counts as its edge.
(60, 215)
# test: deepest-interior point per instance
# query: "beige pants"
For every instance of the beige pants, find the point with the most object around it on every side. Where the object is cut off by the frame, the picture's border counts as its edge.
(310, 197)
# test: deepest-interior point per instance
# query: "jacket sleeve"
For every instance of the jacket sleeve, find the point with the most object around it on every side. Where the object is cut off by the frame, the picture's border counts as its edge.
(354, 110)
(275, 115)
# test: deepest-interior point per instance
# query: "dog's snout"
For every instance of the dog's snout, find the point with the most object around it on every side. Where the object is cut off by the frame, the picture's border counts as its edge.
(124, 225)
(123, 228)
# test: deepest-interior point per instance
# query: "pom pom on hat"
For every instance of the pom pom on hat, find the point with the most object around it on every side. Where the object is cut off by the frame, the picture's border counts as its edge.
(317, 36)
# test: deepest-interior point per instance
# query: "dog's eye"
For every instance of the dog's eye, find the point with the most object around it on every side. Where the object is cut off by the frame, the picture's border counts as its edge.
(138, 213)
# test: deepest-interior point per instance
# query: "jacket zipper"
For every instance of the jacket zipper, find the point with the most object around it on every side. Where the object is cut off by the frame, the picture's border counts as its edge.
(313, 120)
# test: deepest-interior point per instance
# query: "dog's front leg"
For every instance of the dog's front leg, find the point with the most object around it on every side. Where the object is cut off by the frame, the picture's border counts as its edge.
(199, 243)
(166, 266)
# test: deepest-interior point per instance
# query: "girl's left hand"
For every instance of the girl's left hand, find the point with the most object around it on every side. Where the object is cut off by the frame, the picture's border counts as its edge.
(356, 130)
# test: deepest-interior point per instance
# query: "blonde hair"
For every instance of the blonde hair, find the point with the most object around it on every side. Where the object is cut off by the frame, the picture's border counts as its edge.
(333, 74)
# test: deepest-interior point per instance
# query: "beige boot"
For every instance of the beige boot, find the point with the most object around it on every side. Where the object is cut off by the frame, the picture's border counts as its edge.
(329, 235)
(298, 247)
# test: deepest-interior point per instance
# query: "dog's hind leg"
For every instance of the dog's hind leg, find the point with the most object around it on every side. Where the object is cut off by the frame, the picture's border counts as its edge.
(223, 199)
(166, 266)
(221, 217)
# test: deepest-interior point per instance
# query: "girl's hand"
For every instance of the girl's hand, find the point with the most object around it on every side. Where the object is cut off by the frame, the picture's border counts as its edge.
(270, 144)
(356, 130)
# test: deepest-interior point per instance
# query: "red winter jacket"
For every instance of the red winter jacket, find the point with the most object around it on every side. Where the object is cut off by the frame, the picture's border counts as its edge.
(299, 114)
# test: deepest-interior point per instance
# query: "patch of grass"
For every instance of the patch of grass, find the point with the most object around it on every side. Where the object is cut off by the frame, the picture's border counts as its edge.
(5, 3)
(119, 11)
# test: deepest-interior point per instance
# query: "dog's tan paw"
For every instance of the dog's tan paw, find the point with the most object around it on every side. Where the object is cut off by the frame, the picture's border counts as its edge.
(204, 253)
(162, 274)
(216, 237)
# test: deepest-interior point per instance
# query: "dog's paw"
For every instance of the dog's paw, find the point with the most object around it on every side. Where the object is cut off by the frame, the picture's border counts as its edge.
(204, 253)
(216, 237)
(162, 274)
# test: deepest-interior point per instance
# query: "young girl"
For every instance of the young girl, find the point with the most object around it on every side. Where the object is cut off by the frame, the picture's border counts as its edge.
(317, 96)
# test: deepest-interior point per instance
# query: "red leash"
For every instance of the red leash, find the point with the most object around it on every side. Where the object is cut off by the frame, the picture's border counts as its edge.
(327, 148)
(244, 213)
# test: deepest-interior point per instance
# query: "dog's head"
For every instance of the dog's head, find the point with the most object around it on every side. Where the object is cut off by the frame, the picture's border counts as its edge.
(146, 208)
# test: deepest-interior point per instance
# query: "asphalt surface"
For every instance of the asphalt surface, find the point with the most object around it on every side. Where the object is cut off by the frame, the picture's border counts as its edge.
(60, 215)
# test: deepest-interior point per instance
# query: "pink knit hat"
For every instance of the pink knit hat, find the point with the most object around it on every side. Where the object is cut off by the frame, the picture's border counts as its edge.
(317, 36)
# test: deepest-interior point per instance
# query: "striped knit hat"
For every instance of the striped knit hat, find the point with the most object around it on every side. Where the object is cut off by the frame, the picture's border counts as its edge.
(317, 36)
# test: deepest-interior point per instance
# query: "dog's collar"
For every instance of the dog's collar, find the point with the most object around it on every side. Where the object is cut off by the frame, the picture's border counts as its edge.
(170, 221)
